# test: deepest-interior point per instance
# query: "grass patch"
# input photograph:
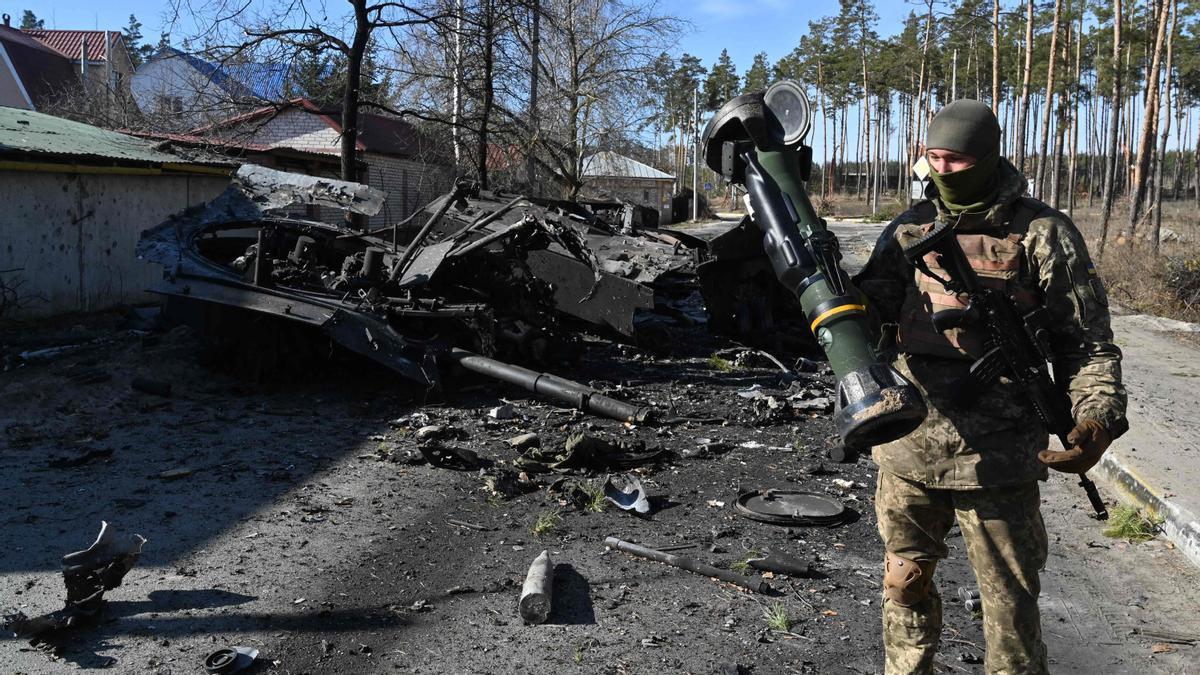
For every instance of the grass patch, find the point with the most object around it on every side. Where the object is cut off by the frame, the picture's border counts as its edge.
(1127, 523)
(743, 566)
(777, 618)
(545, 523)
(596, 501)
(720, 363)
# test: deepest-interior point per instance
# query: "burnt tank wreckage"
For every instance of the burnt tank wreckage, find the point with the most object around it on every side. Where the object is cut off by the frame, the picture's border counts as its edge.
(476, 279)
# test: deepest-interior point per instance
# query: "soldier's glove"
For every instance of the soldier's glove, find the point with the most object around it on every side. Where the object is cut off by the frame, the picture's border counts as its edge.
(1089, 439)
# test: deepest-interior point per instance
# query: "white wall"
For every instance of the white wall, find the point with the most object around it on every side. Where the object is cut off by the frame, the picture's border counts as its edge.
(170, 76)
(74, 234)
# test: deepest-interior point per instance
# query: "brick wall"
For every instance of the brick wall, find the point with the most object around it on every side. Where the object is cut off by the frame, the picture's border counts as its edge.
(409, 184)
(299, 129)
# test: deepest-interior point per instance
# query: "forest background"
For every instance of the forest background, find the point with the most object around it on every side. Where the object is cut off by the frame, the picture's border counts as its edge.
(1099, 99)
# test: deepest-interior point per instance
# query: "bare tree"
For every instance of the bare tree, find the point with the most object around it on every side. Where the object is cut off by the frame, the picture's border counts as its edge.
(265, 32)
(1173, 8)
(1114, 132)
(1023, 113)
(1038, 182)
(1145, 145)
(996, 57)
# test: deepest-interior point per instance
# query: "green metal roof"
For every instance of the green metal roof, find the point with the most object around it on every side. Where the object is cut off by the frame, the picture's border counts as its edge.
(606, 164)
(27, 133)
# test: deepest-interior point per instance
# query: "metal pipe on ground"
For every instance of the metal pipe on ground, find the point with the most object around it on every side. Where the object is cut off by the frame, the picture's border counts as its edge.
(551, 386)
(685, 563)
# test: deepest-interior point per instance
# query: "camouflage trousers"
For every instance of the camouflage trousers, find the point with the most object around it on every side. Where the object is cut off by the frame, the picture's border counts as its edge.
(1006, 544)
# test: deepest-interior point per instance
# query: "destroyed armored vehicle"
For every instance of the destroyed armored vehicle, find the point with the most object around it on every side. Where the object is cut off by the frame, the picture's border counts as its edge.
(615, 276)
(483, 275)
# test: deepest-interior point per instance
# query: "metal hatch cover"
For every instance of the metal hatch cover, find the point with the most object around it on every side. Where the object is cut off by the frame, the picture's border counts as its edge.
(789, 507)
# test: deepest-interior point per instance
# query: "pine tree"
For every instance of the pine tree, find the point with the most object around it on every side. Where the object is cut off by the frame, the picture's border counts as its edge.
(759, 75)
(132, 37)
(29, 21)
(722, 83)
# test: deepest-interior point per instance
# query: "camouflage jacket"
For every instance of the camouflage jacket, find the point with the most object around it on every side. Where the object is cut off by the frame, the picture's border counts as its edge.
(995, 441)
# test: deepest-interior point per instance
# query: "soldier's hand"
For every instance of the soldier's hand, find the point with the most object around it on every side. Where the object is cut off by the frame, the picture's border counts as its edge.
(1089, 439)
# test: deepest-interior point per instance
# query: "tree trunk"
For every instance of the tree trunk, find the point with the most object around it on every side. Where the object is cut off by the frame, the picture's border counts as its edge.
(1060, 132)
(1073, 111)
(866, 106)
(1141, 167)
(456, 115)
(535, 39)
(1110, 164)
(1173, 8)
(354, 62)
(996, 57)
(1039, 181)
(485, 107)
(1180, 144)
(824, 131)
(1023, 114)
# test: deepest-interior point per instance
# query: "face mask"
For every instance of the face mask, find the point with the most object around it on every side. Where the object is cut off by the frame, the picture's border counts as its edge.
(971, 189)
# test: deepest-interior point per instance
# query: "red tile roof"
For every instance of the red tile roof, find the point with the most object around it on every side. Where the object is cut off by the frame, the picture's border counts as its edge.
(69, 43)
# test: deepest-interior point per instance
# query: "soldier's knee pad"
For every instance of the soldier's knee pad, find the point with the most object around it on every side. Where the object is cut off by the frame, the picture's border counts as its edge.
(907, 582)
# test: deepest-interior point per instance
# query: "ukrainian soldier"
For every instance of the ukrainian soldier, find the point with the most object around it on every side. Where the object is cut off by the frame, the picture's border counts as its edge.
(980, 463)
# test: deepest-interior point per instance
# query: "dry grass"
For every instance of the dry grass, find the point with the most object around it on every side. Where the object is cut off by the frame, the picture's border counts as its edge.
(1165, 285)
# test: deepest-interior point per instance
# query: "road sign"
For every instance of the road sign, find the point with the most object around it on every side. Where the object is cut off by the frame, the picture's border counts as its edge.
(921, 168)
(708, 187)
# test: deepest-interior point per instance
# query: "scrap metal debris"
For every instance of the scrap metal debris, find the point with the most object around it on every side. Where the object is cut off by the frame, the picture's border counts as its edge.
(781, 563)
(790, 507)
(87, 575)
(587, 451)
(229, 660)
(689, 564)
(460, 290)
(537, 592)
(629, 496)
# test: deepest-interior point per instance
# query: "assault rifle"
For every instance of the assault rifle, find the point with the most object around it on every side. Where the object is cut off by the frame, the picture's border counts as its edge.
(1017, 345)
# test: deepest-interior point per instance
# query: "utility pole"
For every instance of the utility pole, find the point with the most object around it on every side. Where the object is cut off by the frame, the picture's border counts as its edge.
(535, 39)
(954, 76)
(696, 153)
(877, 182)
(455, 131)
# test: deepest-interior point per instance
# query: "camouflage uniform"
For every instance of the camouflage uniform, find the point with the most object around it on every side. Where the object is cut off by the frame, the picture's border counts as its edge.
(979, 463)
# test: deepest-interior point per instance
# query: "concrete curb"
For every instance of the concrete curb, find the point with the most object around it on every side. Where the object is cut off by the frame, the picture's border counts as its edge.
(1179, 525)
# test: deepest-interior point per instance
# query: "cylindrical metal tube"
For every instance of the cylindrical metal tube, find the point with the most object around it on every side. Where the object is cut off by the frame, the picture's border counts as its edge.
(372, 262)
(684, 563)
(563, 390)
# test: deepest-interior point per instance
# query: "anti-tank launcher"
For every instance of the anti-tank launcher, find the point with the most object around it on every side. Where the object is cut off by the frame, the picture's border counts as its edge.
(757, 140)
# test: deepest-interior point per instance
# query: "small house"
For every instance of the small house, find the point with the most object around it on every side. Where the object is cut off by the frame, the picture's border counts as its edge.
(608, 175)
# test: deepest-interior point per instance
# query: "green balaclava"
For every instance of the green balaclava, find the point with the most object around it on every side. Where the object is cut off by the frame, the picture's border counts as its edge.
(971, 128)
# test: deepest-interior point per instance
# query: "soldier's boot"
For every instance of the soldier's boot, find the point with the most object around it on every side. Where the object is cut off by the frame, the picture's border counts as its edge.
(912, 615)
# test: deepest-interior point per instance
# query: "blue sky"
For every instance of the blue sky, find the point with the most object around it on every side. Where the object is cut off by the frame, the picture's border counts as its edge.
(745, 27)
